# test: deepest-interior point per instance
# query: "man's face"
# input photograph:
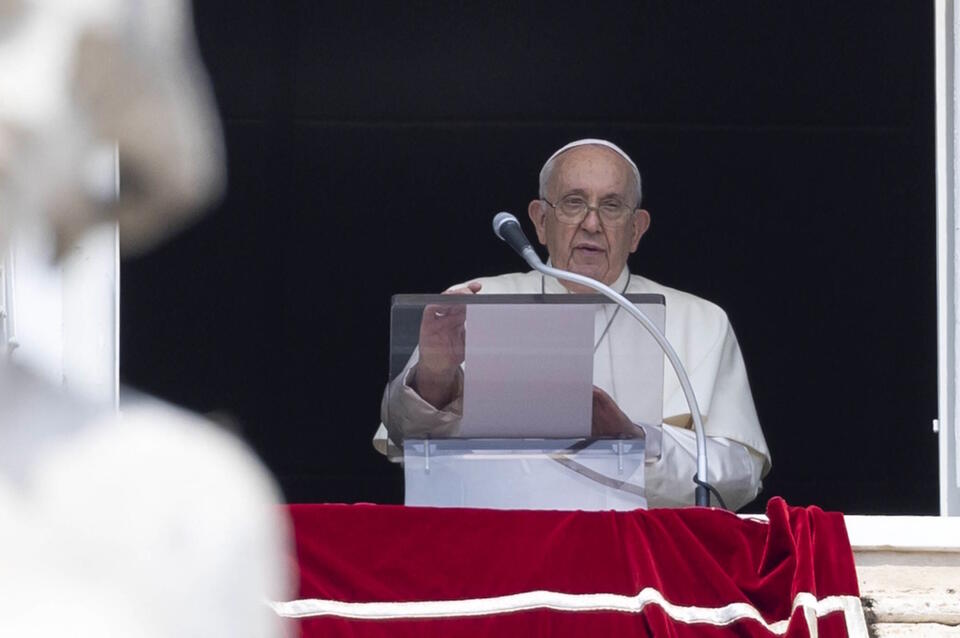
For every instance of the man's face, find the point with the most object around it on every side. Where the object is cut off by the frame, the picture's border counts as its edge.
(590, 248)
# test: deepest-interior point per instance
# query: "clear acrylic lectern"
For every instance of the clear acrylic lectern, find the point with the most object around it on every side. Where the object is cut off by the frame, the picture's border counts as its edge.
(513, 430)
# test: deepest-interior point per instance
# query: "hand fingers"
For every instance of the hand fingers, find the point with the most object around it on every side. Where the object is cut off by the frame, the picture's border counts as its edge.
(601, 398)
(609, 419)
(454, 313)
(470, 289)
(441, 311)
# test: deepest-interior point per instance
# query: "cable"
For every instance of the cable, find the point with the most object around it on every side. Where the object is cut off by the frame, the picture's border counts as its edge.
(712, 489)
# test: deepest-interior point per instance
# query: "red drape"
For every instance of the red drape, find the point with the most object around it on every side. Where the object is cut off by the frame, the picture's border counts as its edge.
(369, 570)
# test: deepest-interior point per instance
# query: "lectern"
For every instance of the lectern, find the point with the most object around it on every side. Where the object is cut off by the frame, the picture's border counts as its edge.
(517, 434)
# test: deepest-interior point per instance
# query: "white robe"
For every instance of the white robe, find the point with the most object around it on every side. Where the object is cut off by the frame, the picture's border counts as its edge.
(701, 334)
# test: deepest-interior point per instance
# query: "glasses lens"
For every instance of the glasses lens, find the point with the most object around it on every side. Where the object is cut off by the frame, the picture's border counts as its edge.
(573, 209)
(614, 214)
(573, 206)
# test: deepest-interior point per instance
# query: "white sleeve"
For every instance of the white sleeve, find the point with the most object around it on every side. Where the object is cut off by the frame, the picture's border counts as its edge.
(719, 379)
(733, 469)
(404, 413)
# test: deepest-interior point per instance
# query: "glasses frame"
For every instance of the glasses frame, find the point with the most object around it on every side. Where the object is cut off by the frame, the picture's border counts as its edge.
(606, 222)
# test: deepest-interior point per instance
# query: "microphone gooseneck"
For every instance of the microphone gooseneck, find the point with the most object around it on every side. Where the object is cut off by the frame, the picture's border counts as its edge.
(507, 228)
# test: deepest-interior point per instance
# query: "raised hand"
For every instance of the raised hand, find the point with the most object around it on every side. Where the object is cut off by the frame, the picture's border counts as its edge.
(442, 340)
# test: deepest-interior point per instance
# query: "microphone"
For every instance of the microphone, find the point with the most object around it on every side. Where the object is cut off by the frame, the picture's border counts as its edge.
(507, 228)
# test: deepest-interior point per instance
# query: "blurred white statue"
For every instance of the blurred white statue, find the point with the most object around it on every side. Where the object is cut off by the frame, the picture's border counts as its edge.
(77, 76)
(151, 522)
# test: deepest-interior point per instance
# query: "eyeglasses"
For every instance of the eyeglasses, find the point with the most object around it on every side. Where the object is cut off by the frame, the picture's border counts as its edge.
(573, 209)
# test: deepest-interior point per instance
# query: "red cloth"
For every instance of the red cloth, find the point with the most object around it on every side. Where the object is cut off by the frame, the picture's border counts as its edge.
(678, 561)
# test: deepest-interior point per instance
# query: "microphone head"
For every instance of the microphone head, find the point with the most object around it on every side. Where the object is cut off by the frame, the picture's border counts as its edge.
(500, 219)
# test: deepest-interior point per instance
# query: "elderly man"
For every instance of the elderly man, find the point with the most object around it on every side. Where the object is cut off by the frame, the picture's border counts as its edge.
(588, 216)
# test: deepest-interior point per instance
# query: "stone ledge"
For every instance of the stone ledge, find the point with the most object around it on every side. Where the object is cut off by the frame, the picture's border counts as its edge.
(908, 568)
(904, 533)
(913, 630)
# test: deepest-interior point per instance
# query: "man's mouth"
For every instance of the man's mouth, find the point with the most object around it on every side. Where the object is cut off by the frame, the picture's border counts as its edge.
(589, 248)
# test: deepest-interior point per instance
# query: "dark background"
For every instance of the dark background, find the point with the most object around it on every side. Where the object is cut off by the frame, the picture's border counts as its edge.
(787, 150)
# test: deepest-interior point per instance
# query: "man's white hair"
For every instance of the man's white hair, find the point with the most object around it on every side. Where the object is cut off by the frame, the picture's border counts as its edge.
(547, 171)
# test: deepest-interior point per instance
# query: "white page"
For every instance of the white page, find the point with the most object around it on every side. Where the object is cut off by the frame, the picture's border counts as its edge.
(528, 370)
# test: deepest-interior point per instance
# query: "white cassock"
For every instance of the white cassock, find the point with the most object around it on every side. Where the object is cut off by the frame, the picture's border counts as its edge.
(704, 340)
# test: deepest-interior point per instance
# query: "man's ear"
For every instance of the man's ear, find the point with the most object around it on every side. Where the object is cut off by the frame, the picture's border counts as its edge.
(538, 215)
(640, 225)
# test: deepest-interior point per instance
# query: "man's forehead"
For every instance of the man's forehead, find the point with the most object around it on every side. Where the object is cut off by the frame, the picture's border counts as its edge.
(592, 153)
(593, 161)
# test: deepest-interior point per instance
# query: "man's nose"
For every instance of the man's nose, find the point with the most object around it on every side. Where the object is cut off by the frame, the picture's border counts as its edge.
(591, 223)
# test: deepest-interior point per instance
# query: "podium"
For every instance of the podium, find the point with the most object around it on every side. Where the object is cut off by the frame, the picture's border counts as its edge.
(531, 474)
(518, 433)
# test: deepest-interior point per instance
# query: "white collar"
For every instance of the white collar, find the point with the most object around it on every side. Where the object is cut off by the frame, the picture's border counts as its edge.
(552, 286)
